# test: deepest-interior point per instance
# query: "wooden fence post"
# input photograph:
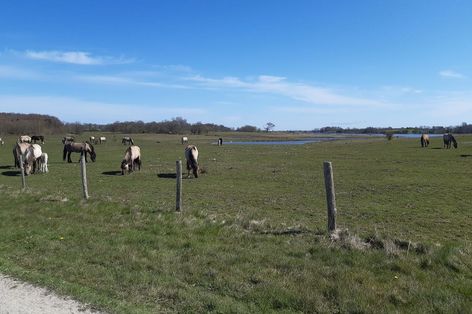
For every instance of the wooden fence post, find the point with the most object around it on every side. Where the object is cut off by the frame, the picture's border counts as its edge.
(330, 195)
(22, 169)
(178, 198)
(83, 171)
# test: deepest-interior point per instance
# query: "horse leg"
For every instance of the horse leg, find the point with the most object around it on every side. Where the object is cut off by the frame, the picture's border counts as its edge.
(68, 157)
(188, 169)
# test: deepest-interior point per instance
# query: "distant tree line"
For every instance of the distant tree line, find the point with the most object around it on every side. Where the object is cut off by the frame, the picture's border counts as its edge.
(16, 123)
(461, 129)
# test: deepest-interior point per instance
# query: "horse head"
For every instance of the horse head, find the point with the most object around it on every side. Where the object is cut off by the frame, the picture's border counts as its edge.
(90, 149)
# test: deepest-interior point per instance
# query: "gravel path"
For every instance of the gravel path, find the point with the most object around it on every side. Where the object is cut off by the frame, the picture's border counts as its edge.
(17, 297)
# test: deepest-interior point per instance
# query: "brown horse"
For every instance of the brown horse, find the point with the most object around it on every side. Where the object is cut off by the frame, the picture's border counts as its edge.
(82, 148)
(424, 140)
(191, 154)
(132, 160)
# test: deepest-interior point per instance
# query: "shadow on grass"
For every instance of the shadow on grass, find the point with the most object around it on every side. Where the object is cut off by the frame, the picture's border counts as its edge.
(6, 167)
(12, 173)
(112, 173)
(465, 156)
(167, 175)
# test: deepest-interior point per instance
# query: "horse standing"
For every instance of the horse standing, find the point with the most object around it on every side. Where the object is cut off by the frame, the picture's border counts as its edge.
(19, 150)
(127, 140)
(82, 148)
(102, 139)
(220, 142)
(191, 154)
(36, 138)
(424, 140)
(33, 153)
(184, 139)
(448, 138)
(1, 141)
(92, 139)
(132, 159)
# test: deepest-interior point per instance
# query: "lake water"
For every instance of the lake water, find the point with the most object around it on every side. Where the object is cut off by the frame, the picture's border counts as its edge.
(289, 142)
(322, 139)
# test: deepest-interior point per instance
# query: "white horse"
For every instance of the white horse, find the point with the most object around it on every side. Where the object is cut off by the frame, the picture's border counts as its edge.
(33, 153)
(102, 139)
(184, 139)
(191, 154)
(131, 160)
(43, 163)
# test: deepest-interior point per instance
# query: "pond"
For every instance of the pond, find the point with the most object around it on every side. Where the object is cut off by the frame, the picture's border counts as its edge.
(289, 142)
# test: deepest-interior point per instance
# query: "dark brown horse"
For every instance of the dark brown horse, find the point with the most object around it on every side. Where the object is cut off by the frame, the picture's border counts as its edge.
(82, 148)
(448, 138)
(36, 138)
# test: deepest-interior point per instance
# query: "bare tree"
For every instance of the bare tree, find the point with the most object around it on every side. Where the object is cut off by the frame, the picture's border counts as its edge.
(269, 126)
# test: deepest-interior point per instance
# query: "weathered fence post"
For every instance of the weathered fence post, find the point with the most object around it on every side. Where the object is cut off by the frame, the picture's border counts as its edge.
(178, 198)
(22, 169)
(330, 195)
(83, 171)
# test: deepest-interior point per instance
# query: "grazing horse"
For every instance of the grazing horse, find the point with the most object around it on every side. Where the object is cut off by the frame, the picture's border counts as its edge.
(93, 140)
(131, 160)
(102, 139)
(67, 139)
(448, 138)
(184, 139)
(36, 138)
(191, 154)
(33, 153)
(24, 139)
(43, 163)
(20, 150)
(424, 140)
(82, 148)
(127, 140)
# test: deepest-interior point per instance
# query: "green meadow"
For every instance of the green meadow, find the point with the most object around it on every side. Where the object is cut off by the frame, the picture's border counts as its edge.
(252, 234)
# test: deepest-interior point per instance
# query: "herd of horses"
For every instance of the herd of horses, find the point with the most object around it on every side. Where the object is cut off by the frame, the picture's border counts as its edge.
(35, 160)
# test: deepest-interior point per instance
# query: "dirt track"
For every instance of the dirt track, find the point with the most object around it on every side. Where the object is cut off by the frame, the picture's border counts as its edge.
(22, 298)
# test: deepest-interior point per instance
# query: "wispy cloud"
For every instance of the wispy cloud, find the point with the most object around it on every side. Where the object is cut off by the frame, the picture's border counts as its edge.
(451, 74)
(281, 86)
(126, 80)
(74, 57)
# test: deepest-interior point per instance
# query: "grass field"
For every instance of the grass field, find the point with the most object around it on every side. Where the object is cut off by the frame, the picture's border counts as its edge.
(252, 234)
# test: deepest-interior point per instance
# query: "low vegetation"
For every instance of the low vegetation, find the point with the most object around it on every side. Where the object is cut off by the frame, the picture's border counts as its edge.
(252, 233)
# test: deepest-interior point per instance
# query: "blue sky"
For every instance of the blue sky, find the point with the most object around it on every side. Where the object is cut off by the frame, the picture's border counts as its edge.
(299, 64)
